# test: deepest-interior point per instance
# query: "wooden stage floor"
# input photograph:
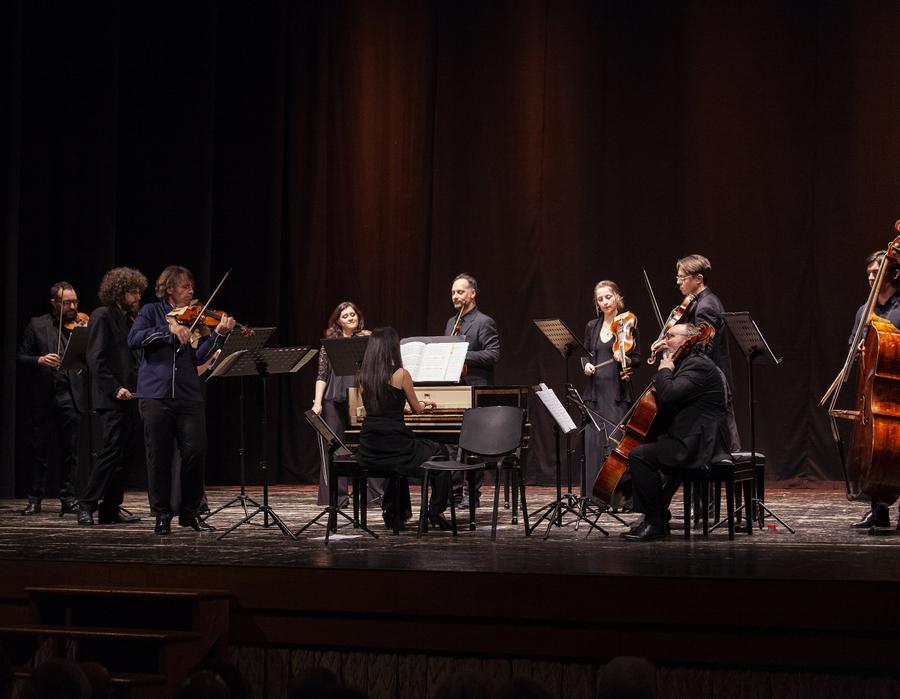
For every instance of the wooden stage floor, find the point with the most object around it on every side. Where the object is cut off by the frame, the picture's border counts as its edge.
(823, 547)
(811, 601)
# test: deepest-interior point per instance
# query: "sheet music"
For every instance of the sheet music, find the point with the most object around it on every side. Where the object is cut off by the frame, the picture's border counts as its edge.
(434, 361)
(557, 410)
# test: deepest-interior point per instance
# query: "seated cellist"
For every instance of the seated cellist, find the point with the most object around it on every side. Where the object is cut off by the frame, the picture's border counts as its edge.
(690, 427)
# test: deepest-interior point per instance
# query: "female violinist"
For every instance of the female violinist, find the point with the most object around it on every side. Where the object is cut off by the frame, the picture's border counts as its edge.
(330, 399)
(609, 390)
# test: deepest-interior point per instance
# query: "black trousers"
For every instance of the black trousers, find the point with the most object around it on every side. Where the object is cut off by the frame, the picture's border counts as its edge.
(396, 502)
(61, 419)
(650, 497)
(167, 423)
(106, 484)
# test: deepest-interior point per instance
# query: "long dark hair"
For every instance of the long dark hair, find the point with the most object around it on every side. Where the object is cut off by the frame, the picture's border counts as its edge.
(334, 328)
(381, 360)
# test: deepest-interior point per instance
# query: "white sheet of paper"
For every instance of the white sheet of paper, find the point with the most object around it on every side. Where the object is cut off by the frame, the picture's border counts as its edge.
(434, 361)
(557, 410)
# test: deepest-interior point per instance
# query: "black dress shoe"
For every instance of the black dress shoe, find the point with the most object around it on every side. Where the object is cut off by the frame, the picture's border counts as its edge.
(878, 516)
(120, 516)
(85, 515)
(645, 532)
(438, 521)
(163, 524)
(68, 507)
(195, 523)
(32, 508)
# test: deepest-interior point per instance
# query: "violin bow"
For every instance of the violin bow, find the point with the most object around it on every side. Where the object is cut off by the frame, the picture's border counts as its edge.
(206, 305)
(60, 323)
(653, 302)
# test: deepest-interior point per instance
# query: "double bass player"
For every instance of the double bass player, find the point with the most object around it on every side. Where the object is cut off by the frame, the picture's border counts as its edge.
(887, 306)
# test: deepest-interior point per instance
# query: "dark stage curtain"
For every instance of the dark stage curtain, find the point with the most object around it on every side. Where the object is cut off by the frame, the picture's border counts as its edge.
(372, 150)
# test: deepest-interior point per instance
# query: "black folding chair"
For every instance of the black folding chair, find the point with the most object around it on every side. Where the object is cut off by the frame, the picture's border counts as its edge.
(492, 437)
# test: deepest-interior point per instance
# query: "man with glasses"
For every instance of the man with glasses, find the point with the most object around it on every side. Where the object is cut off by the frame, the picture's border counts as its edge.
(690, 398)
(692, 275)
(56, 398)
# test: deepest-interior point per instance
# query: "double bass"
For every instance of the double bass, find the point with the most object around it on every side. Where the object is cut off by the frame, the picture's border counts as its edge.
(872, 467)
(637, 425)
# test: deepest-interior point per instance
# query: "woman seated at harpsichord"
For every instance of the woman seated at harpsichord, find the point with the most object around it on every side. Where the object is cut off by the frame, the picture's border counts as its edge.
(385, 442)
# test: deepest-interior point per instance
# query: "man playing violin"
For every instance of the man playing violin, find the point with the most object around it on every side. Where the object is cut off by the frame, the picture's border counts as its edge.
(170, 400)
(56, 397)
(689, 424)
(480, 331)
(113, 366)
(887, 306)
(691, 276)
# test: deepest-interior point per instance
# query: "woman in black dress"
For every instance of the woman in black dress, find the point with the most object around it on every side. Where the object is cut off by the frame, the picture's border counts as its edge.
(608, 392)
(385, 441)
(330, 400)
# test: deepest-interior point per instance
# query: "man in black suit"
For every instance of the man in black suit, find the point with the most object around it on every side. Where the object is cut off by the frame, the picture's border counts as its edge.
(56, 398)
(480, 331)
(692, 275)
(113, 368)
(690, 397)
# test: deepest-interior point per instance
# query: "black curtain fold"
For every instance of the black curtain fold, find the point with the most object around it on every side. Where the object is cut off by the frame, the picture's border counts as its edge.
(372, 150)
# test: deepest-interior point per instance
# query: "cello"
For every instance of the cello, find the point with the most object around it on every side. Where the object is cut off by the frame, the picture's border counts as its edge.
(637, 425)
(871, 468)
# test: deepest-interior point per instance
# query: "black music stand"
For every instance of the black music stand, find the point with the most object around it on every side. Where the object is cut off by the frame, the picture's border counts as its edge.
(75, 355)
(565, 503)
(262, 363)
(75, 359)
(567, 344)
(237, 342)
(755, 349)
(346, 353)
(336, 447)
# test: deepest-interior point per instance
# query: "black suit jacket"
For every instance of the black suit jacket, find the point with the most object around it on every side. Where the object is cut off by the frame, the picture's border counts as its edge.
(480, 332)
(691, 412)
(707, 307)
(40, 339)
(113, 364)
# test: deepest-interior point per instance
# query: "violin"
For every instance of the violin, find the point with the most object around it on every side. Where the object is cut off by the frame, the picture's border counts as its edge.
(187, 315)
(80, 321)
(637, 425)
(190, 316)
(674, 317)
(622, 328)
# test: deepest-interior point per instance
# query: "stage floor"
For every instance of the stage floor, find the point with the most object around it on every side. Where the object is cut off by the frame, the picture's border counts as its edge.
(823, 547)
(810, 601)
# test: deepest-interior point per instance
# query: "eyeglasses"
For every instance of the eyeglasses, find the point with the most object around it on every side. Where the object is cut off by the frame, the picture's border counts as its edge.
(681, 277)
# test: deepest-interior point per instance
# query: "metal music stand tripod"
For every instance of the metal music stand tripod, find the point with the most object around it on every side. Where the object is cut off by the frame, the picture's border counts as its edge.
(567, 344)
(335, 447)
(345, 354)
(238, 342)
(74, 358)
(754, 348)
(263, 363)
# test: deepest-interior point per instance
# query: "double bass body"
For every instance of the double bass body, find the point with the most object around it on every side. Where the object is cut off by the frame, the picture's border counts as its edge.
(872, 464)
